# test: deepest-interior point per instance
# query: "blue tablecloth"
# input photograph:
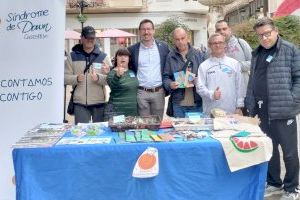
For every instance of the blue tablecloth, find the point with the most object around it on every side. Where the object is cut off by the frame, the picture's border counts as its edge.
(195, 170)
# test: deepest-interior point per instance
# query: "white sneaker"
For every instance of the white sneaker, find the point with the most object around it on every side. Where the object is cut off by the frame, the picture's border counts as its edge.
(271, 190)
(289, 196)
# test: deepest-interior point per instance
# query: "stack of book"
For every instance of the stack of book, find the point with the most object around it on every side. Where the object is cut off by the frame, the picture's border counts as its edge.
(43, 135)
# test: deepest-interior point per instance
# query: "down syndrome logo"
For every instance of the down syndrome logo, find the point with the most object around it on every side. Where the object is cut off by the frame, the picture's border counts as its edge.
(32, 24)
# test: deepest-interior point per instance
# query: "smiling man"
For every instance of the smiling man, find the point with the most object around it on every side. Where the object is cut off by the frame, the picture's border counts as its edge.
(148, 62)
(219, 79)
(274, 95)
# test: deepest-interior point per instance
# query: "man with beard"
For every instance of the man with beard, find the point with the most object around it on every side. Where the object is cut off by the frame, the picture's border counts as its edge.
(148, 61)
(238, 49)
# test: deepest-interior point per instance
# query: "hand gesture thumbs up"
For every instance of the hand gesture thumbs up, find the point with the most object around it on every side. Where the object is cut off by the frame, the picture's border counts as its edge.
(217, 93)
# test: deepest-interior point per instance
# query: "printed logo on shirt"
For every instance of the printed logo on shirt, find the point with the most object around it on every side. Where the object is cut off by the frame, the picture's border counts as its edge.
(226, 70)
(211, 72)
(289, 122)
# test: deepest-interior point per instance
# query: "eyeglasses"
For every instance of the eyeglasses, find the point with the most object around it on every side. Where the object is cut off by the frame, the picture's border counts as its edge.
(146, 29)
(216, 43)
(265, 34)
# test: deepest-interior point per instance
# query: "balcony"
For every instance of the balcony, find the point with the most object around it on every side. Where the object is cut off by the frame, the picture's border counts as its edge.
(106, 6)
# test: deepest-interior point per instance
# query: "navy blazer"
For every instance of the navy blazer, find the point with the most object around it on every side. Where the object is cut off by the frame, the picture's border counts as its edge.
(163, 49)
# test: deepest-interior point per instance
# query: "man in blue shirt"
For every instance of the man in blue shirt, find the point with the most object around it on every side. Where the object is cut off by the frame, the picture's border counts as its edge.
(148, 61)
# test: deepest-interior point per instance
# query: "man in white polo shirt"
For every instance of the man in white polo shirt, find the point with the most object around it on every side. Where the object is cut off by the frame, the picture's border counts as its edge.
(148, 60)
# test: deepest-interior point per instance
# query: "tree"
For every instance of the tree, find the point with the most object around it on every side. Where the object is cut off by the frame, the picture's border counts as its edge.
(289, 29)
(164, 30)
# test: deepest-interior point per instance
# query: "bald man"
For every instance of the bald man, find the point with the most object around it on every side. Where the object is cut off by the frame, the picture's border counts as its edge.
(182, 58)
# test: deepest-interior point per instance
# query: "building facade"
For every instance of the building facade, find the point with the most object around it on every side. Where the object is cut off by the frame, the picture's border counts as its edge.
(127, 14)
(242, 10)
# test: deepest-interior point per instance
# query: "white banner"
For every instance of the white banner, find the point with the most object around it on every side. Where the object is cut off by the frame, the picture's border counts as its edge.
(31, 73)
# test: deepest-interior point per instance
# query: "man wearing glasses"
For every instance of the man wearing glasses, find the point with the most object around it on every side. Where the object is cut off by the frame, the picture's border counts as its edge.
(86, 69)
(219, 79)
(274, 95)
(148, 61)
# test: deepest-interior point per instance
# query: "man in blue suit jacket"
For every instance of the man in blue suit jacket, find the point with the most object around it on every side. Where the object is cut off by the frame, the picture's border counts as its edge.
(148, 62)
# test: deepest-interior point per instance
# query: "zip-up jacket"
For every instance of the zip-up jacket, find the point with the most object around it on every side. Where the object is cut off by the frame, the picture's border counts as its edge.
(163, 50)
(175, 63)
(240, 50)
(88, 92)
(283, 82)
(225, 73)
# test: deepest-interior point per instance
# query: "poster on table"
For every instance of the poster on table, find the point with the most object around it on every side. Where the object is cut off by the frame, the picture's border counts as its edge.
(31, 78)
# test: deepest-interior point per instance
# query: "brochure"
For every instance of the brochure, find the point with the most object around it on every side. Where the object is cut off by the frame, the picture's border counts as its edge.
(184, 79)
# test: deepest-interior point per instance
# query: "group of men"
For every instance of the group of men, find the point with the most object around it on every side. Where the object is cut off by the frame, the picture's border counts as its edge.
(267, 79)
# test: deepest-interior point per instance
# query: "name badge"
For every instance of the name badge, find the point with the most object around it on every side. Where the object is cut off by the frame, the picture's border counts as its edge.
(97, 65)
(269, 58)
(131, 74)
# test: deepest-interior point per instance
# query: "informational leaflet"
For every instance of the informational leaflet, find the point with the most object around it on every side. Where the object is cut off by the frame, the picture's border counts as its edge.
(84, 140)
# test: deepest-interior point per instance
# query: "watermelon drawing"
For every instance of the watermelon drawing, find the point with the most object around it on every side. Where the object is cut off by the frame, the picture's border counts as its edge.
(243, 144)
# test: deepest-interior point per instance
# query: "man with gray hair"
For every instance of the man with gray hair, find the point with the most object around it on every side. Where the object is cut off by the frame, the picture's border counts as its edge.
(274, 95)
(219, 79)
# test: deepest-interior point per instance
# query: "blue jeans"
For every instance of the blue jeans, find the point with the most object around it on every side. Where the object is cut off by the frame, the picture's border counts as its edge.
(179, 111)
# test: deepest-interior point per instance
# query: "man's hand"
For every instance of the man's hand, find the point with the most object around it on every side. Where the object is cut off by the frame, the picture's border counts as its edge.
(217, 94)
(105, 68)
(94, 75)
(174, 85)
(80, 77)
(238, 111)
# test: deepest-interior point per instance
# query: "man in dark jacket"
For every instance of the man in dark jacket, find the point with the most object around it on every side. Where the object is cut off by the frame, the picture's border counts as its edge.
(274, 95)
(89, 95)
(182, 58)
(148, 62)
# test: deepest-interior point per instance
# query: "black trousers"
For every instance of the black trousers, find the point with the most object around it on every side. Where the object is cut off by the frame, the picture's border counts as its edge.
(83, 114)
(283, 132)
